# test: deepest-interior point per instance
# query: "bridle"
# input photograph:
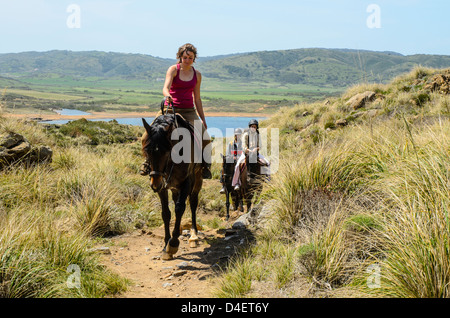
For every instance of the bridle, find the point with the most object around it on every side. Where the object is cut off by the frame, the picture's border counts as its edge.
(166, 177)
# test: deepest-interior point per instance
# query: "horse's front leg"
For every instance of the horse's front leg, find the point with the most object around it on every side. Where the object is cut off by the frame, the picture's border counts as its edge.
(227, 204)
(193, 203)
(180, 207)
(166, 215)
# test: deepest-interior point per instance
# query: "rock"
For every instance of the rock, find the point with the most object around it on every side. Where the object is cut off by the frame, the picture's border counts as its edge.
(259, 216)
(41, 154)
(360, 100)
(183, 265)
(230, 232)
(439, 83)
(341, 122)
(179, 273)
(204, 276)
(15, 148)
(242, 222)
(101, 250)
(227, 238)
(186, 224)
(11, 140)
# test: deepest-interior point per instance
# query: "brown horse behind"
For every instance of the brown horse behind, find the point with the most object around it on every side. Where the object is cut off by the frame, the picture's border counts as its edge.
(251, 181)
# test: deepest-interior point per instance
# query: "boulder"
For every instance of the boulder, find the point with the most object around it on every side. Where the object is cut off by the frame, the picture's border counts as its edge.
(439, 83)
(259, 216)
(360, 100)
(15, 148)
(40, 154)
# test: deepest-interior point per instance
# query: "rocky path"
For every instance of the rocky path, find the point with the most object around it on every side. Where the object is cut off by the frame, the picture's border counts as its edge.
(192, 273)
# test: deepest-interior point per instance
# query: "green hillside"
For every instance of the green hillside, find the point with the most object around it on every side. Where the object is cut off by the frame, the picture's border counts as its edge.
(84, 64)
(259, 82)
(336, 67)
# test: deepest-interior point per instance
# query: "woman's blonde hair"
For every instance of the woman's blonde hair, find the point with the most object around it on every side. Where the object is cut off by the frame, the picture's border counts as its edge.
(188, 47)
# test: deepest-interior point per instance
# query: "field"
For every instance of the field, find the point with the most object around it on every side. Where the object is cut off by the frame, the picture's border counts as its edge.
(119, 95)
(358, 207)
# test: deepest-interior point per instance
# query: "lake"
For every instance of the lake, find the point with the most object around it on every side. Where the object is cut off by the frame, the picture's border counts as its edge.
(217, 126)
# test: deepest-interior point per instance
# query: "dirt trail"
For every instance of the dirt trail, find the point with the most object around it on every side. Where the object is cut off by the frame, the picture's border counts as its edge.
(192, 272)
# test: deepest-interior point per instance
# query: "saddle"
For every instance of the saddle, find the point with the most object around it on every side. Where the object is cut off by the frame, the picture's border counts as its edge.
(261, 163)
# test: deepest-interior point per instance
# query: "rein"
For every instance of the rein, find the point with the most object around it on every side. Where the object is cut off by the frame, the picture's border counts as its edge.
(164, 174)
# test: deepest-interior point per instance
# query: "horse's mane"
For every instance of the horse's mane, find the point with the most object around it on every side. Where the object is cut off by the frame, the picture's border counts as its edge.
(157, 135)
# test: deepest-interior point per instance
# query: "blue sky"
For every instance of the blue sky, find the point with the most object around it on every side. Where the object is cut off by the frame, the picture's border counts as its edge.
(158, 28)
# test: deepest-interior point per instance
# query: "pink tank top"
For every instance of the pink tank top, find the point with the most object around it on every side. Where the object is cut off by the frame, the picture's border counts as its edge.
(182, 91)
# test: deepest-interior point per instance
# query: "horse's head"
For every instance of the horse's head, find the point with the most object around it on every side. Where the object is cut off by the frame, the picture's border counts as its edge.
(228, 165)
(156, 147)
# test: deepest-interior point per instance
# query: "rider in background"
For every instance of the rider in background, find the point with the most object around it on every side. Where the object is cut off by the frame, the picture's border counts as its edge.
(234, 149)
(251, 144)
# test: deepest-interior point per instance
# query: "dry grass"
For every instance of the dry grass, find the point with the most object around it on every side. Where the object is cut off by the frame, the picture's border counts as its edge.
(372, 195)
(52, 214)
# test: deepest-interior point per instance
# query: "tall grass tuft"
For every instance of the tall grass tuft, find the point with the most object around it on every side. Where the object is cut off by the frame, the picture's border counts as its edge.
(93, 210)
(416, 206)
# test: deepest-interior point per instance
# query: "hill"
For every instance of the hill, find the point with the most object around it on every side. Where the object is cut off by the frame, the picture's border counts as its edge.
(336, 67)
(256, 82)
(82, 64)
(314, 66)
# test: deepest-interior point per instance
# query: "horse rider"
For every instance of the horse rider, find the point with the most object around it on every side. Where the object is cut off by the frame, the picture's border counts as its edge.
(234, 149)
(251, 144)
(182, 90)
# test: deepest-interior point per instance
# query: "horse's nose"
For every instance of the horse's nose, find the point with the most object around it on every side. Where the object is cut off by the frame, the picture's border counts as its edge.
(156, 183)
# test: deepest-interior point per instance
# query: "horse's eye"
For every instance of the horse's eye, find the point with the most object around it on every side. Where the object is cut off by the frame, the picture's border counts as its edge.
(156, 149)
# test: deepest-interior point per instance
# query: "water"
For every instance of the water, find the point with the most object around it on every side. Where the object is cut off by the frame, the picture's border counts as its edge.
(71, 112)
(217, 126)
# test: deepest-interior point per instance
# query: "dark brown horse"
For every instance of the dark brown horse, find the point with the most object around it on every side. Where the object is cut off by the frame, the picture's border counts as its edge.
(183, 178)
(228, 165)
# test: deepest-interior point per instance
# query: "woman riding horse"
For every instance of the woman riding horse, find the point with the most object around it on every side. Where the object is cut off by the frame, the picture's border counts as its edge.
(182, 91)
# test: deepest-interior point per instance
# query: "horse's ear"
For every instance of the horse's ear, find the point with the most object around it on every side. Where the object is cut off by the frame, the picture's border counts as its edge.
(146, 125)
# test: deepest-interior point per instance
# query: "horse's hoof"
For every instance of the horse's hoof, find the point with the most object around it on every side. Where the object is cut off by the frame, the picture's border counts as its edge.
(171, 250)
(167, 256)
(193, 243)
(193, 239)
